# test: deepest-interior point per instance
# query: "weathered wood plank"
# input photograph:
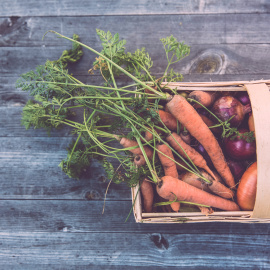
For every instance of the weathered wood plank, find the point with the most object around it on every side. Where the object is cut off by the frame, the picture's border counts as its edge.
(29, 170)
(237, 59)
(118, 249)
(49, 183)
(196, 29)
(10, 125)
(85, 216)
(124, 7)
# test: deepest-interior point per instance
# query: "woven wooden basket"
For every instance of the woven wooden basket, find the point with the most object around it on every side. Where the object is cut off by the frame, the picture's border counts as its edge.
(260, 102)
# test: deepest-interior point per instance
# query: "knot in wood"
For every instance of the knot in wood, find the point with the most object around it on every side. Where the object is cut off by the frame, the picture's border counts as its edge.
(209, 62)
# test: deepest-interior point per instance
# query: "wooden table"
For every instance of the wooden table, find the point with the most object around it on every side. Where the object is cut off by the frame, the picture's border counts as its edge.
(49, 221)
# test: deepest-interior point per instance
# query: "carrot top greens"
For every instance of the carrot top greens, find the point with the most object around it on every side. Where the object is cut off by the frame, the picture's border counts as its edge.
(99, 115)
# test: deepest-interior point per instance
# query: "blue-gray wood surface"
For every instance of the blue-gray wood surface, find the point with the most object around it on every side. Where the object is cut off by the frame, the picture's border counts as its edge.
(49, 221)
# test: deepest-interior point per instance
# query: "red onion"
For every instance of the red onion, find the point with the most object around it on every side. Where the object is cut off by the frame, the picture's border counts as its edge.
(239, 149)
(243, 97)
(237, 168)
(227, 106)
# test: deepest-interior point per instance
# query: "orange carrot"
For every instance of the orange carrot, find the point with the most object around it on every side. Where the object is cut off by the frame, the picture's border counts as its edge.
(205, 98)
(221, 190)
(175, 140)
(126, 143)
(194, 180)
(147, 192)
(214, 187)
(168, 120)
(169, 166)
(148, 136)
(188, 116)
(139, 160)
(210, 123)
(169, 187)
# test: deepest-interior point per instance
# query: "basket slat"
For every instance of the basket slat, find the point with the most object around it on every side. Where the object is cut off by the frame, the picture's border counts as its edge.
(260, 97)
(137, 203)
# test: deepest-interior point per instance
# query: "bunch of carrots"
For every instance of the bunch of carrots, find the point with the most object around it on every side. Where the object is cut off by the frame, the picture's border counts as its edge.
(164, 124)
(205, 187)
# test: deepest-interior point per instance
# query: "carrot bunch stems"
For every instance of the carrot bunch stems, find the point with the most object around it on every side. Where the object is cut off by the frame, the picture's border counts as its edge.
(139, 114)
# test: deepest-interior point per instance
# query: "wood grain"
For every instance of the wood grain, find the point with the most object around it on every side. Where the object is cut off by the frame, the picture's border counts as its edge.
(85, 216)
(156, 250)
(195, 29)
(123, 7)
(32, 169)
(237, 59)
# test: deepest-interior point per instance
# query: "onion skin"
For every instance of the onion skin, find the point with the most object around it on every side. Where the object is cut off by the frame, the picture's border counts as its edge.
(227, 106)
(239, 149)
(246, 192)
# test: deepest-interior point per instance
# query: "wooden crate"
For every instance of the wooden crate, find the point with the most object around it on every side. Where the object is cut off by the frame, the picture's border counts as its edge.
(260, 102)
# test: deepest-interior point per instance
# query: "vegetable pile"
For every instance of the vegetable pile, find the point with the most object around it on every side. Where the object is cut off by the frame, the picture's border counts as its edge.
(180, 147)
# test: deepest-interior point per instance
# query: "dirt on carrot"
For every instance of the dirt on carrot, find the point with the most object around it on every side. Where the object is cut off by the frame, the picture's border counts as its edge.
(169, 187)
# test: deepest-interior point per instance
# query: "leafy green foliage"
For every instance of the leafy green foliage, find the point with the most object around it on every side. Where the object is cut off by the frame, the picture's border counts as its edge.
(112, 46)
(78, 160)
(73, 55)
(38, 115)
(175, 51)
(173, 76)
(114, 49)
(108, 168)
(48, 80)
(51, 79)
(134, 175)
(55, 94)
(234, 133)
(80, 154)
(137, 63)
